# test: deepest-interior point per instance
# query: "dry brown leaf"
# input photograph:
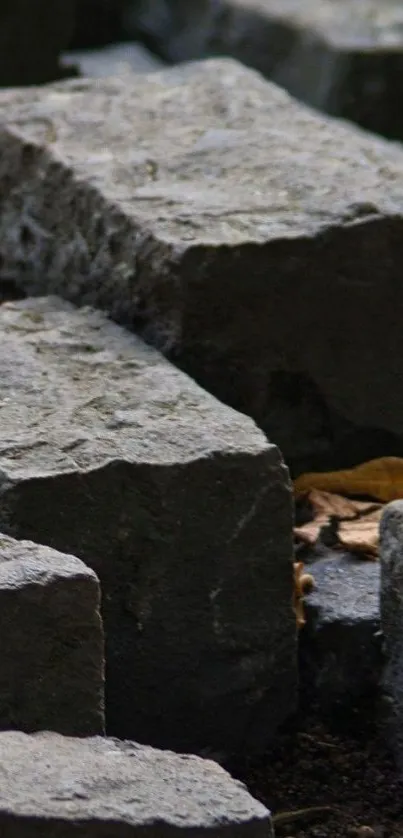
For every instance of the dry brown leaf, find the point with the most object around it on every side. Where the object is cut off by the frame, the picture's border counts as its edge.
(358, 527)
(324, 506)
(331, 504)
(303, 582)
(362, 535)
(381, 479)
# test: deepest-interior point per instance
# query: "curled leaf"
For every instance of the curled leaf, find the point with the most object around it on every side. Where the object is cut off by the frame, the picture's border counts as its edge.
(355, 524)
(381, 479)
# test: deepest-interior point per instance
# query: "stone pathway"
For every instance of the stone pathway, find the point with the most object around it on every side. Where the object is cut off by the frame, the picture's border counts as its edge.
(256, 244)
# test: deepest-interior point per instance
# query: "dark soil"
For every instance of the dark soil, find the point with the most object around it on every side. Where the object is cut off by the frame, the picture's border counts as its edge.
(349, 777)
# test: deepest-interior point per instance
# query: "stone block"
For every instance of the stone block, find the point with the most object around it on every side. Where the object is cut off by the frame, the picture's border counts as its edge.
(340, 647)
(264, 262)
(51, 639)
(32, 35)
(391, 557)
(95, 786)
(180, 505)
(345, 58)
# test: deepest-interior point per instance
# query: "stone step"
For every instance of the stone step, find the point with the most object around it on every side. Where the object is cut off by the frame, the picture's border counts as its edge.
(340, 646)
(257, 244)
(344, 58)
(96, 786)
(179, 504)
(51, 640)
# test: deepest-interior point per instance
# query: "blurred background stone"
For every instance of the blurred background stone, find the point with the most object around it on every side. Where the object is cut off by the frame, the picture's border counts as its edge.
(344, 58)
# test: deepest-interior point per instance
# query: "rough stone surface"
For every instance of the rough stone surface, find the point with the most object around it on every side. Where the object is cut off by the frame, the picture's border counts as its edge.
(179, 504)
(391, 554)
(58, 785)
(344, 57)
(266, 262)
(113, 60)
(341, 644)
(51, 639)
(32, 35)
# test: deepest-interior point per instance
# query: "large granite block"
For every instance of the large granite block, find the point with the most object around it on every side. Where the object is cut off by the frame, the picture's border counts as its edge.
(180, 505)
(343, 57)
(257, 244)
(340, 647)
(54, 785)
(51, 640)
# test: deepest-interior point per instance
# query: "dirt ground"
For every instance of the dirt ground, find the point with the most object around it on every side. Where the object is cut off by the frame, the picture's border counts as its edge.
(319, 784)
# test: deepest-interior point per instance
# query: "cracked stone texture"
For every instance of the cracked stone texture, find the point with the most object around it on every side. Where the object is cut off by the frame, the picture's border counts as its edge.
(180, 505)
(340, 647)
(51, 637)
(265, 262)
(58, 785)
(32, 35)
(343, 57)
(391, 557)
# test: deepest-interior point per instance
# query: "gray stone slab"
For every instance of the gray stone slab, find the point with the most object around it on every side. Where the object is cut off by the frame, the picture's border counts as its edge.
(341, 644)
(92, 787)
(51, 640)
(248, 256)
(345, 58)
(391, 554)
(180, 505)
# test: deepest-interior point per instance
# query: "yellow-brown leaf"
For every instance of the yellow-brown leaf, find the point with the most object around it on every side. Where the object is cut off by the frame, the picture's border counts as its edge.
(381, 479)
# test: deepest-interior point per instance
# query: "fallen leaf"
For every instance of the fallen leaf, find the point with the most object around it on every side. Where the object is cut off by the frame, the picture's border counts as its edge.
(381, 479)
(362, 534)
(356, 522)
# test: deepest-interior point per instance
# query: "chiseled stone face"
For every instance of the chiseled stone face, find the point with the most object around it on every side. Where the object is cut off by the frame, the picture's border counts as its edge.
(180, 505)
(51, 636)
(118, 788)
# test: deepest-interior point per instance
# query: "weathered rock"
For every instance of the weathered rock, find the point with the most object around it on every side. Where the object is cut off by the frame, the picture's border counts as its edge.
(391, 555)
(179, 504)
(345, 58)
(265, 262)
(95, 786)
(51, 639)
(32, 35)
(341, 660)
(113, 60)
